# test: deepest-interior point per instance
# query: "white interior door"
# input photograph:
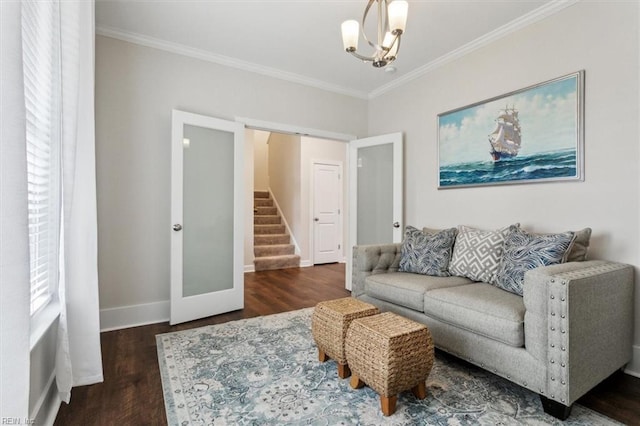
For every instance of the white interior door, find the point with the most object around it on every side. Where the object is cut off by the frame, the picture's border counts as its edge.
(207, 236)
(327, 213)
(376, 193)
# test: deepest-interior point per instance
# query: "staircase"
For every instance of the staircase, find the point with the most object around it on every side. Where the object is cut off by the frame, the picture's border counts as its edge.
(271, 243)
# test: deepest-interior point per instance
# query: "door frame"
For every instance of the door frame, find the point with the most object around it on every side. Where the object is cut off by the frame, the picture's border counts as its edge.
(312, 178)
(398, 190)
(189, 308)
(277, 127)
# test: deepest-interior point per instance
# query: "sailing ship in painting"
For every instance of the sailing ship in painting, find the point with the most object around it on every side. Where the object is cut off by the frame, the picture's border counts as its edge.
(506, 137)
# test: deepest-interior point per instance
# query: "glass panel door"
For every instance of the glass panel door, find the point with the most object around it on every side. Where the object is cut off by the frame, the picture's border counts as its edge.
(376, 193)
(207, 184)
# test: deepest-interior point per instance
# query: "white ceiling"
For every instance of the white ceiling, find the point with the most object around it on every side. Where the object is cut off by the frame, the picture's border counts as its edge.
(300, 40)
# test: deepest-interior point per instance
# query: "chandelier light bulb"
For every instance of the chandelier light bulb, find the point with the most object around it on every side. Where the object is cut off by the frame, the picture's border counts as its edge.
(350, 35)
(398, 16)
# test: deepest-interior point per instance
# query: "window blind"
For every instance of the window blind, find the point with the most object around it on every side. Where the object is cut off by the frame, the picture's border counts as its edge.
(42, 86)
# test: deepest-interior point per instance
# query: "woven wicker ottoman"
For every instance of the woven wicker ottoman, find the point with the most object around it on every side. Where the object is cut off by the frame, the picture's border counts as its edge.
(329, 325)
(391, 354)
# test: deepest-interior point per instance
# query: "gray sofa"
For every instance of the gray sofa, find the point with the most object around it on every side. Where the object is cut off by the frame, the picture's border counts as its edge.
(571, 329)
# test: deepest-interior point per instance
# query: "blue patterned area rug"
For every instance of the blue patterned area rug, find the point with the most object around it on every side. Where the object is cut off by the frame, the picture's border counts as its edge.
(265, 371)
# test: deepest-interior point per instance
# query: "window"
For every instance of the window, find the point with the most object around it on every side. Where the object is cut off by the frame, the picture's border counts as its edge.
(42, 87)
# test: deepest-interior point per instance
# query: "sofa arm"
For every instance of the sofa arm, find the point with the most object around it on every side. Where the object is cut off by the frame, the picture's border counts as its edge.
(578, 322)
(373, 259)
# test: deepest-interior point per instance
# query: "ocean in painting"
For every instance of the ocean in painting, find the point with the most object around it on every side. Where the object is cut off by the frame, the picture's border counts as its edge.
(545, 165)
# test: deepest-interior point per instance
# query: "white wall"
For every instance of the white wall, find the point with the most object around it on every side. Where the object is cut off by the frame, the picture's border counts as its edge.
(261, 160)
(284, 179)
(136, 89)
(599, 37)
(314, 149)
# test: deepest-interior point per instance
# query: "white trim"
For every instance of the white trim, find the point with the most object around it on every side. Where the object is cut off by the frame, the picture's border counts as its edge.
(286, 224)
(633, 368)
(305, 263)
(517, 24)
(275, 127)
(181, 49)
(134, 315)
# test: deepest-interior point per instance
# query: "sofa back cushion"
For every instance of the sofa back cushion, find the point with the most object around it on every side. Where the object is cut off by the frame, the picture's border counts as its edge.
(477, 253)
(524, 251)
(427, 254)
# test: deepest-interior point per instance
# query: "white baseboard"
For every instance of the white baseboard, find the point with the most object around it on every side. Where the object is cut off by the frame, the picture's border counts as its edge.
(134, 315)
(250, 268)
(305, 263)
(633, 368)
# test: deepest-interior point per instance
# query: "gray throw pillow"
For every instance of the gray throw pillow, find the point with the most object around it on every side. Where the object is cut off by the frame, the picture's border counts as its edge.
(578, 252)
(524, 251)
(427, 254)
(477, 253)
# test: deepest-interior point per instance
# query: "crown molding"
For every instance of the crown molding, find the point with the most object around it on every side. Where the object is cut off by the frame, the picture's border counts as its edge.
(204, 55)
(532, 17)
(525, 20)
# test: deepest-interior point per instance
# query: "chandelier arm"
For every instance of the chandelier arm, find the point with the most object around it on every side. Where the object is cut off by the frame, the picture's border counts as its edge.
(364, 19)
(361, 57)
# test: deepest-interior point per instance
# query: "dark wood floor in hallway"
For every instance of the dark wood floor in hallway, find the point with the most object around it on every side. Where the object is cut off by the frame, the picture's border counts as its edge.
(131, 393)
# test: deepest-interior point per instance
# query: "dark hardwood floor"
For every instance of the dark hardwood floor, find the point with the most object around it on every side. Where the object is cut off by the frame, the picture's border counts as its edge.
(132, 392)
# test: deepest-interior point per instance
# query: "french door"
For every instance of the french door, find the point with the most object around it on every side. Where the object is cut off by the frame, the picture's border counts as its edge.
(376, 193)
(207, 235)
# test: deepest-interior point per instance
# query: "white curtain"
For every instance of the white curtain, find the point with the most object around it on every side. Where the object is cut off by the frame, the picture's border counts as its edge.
(78, 357)
(78, 360)
(14, 233)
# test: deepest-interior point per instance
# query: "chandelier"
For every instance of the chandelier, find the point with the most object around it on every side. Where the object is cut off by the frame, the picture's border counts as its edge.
(392, 20)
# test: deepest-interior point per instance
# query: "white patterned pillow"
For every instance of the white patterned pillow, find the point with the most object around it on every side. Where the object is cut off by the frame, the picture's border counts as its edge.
(427, 254)
(524, 251)
(477, 253)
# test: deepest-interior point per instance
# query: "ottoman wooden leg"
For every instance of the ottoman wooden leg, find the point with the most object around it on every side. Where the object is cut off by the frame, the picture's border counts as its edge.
(356, 383)
(343, 371)
(420, 390)
(322, 357)
(388, 404)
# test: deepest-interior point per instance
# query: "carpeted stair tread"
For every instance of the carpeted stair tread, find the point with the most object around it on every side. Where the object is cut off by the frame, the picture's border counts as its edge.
(266, 239)
(273, 250)
(276, 262)
(265, 211)
(268, 229)
(262, 202)
(260, 194)
(267, 220)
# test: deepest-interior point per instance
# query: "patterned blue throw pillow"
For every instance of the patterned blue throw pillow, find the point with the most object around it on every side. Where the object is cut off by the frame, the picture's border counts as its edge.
(524, 251)
(427, 254)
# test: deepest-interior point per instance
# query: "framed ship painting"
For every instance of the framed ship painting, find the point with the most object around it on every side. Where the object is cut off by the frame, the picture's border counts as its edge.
(531, 135)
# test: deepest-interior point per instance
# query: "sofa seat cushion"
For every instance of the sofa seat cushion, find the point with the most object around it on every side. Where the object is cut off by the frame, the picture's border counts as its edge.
(407, 289)
(481, 308)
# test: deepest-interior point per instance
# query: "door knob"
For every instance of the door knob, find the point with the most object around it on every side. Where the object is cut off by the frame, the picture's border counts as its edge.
(177, 227)
(396, 224)
(316, 219)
